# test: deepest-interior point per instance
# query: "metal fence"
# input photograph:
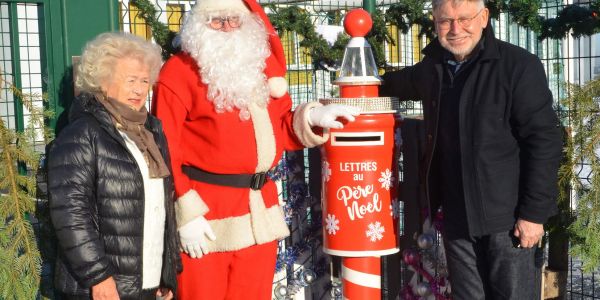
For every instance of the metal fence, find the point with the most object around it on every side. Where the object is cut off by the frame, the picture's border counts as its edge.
(22, 64)
(573, 60)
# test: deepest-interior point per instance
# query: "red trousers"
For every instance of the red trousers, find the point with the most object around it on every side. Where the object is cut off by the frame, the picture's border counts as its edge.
(243, 274)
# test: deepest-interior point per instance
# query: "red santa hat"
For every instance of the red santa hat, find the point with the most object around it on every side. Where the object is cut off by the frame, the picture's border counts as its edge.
(275, 65)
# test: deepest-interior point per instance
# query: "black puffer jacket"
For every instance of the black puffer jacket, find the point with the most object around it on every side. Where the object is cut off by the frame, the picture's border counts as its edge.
(97, 205)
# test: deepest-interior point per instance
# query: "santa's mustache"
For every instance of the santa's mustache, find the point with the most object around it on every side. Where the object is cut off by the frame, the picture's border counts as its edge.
(230, 63)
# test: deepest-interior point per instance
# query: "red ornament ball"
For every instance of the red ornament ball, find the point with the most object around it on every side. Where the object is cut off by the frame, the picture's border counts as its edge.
(411, 256)
(358, 23)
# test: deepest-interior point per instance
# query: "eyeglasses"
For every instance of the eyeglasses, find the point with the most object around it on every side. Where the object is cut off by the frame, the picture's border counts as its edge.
(463, 22)
(218, 22)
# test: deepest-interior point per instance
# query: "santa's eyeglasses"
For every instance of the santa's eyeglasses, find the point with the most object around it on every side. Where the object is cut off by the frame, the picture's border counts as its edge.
(219, 22)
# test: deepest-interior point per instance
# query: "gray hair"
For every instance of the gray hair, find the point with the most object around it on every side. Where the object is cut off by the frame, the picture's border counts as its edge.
(435, 4)
(100, 55)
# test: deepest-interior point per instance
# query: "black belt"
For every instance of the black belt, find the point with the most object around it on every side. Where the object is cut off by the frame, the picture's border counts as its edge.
(253, 181)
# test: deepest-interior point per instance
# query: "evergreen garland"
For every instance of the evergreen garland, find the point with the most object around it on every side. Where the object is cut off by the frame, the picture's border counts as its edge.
(20, 260)
(408, 13)
(160, 31)
(295, 19)
(575, 19)
(377, 36)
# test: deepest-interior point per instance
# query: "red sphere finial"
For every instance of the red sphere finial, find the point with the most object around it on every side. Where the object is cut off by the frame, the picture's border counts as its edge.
(358, 22)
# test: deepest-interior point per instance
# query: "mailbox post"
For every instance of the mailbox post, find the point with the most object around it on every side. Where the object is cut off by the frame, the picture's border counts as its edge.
(359, 173)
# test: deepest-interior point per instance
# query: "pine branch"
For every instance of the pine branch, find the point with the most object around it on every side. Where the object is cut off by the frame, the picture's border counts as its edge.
(582, 148)
(160, 31)
(20, 259)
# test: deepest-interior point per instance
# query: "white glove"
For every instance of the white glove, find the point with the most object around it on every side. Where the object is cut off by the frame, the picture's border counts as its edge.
(325, 116)
(193, 237)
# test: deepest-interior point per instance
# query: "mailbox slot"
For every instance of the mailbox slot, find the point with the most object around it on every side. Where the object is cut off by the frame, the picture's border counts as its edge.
(375, 138)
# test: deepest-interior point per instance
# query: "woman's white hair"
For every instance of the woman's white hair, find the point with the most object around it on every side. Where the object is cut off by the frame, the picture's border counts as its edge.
(437, 3)
(99, 57)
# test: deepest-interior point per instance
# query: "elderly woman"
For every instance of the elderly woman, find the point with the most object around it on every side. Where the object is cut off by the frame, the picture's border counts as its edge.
(111, 192)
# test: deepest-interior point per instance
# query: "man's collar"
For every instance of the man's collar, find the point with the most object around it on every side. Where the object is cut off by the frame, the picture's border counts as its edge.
(491, 43)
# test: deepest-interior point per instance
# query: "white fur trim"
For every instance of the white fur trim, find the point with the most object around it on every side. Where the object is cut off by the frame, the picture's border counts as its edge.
(236, 233)
(264, 225)
(277, 86)
(264, 136)
(217, 5)
(188, 207)
(301, 128)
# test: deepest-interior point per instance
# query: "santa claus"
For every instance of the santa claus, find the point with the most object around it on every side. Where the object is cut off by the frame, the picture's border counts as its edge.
(227, 115)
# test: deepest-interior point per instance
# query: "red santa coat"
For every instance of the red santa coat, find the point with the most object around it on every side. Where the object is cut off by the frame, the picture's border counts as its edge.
(222, 143)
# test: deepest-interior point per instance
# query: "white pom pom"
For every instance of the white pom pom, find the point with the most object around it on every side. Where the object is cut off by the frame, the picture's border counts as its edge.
(277, 86)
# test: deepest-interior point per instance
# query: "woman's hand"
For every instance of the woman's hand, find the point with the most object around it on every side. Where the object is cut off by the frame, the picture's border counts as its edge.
(105, 290)
(165, 293)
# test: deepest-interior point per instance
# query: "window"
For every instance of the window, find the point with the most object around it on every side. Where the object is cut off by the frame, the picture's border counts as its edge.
(416, 43)
(289, 47)
(137, 24)
(393, 49)
(302, 77)
(298, 59)
(174, 16)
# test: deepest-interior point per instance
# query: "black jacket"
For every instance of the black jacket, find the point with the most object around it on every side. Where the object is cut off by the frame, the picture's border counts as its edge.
(510, 142)
(96, 195)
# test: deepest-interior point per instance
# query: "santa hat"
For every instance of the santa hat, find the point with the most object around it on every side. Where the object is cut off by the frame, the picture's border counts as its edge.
(275, 65)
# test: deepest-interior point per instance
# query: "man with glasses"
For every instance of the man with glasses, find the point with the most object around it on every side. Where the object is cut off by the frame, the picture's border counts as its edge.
(492, 151)
(227, 117)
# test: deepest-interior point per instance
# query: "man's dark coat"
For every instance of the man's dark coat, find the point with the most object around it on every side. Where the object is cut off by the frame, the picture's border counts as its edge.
(510, 142)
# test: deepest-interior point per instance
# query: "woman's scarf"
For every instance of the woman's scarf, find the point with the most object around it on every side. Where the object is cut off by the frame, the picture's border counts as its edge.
(131, 122)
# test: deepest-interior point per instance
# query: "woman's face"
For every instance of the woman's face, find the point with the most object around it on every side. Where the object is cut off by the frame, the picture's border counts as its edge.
(129, 83)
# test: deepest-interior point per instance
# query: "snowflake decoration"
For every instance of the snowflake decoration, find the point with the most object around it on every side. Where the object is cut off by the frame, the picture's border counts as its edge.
(395, 208)
(375, 231)
(386, 179)
(326, 171)
(332, 224)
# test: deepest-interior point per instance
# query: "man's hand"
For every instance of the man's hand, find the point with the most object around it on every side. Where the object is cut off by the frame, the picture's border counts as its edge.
(164, 293)
(325, 116)
(105, 290)
(193, 237)
(528, 233)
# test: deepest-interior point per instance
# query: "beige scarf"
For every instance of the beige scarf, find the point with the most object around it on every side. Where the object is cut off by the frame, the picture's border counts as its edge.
(131, 122)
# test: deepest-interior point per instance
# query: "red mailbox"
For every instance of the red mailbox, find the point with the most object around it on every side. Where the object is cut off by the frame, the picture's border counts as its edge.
(357, 187)
(359, 174)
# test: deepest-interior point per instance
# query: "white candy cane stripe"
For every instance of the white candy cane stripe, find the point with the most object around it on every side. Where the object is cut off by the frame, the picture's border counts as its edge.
(361, 278)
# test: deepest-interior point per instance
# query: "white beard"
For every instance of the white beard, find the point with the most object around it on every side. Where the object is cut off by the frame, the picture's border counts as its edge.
(231, 63)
